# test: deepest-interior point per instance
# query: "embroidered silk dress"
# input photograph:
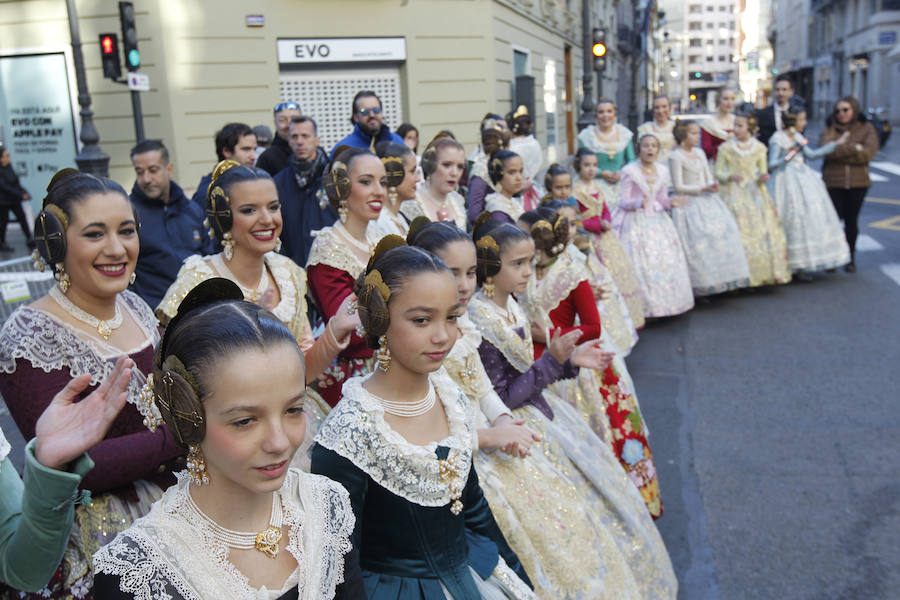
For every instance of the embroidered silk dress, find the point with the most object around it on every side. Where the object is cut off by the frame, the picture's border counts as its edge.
(663, 134)
(815, 239)
(612, 155)
(332, 269)
(559, 300)
(615, 505)
(423, 527)
(171, 553)
(39, 355)
(709, 235)
(291, 309)
(454, 206)
(713, 135)
(754, 210)
(538, 508)
(595, 212)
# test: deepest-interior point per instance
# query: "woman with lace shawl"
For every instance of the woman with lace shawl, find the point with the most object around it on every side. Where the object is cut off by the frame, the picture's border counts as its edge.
(401, 441)
(613, 143)
(438, 198)
(88, 235)
(504, 254)
(244, 214)
(230, 382)
(547, 522)
(355, 184)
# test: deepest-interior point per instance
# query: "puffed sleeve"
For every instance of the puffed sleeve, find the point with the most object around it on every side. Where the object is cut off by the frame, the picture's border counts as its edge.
(630, 195)
(579, 303)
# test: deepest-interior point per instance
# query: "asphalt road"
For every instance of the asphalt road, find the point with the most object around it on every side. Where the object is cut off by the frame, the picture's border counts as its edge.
(775, 423)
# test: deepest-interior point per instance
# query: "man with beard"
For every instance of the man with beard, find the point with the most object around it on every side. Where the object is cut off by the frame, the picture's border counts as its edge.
(276, 156)
(304, 208)
(171, 225)
(769, 118)
(369, 128)
(235, 141)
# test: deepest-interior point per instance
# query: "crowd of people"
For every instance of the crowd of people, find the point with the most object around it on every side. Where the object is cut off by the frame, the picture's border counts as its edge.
(369, 373)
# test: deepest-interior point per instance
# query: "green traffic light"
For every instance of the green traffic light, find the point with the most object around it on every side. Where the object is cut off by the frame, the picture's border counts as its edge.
(134, 58)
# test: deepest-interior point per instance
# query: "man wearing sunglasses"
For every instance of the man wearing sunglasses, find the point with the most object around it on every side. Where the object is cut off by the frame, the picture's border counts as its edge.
(769, 118)
(276, 156)
(368, 120)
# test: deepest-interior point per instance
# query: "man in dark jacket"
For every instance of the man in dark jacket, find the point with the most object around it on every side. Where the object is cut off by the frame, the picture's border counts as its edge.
(12, 195)
(171, 225)
(769, 118)
(276, 156)
(368, 124)
(304, 207)
(235, 141)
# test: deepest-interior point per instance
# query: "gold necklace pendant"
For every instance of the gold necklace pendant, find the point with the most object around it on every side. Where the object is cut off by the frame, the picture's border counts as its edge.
(267, 541)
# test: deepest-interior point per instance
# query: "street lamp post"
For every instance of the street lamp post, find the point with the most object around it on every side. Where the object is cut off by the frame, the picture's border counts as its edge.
(91, 159)
(587, 77)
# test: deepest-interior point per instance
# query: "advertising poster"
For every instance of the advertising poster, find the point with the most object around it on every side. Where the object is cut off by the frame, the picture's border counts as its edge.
(37, 124)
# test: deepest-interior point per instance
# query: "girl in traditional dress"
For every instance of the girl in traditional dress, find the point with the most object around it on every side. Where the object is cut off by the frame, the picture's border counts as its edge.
(560, 297)
(815, 240)
(245, 216)
(596, 218)
(494, 136)
(504, 255)
(742, 170)
(568, 553)
(88, 235)
(661, 127)
(355, 183)
(523, 143)
(401, 442)
(402, 177)
(709, 235)
(230, 383)
(720, 127)
(443, 164)
(649, 237)
(505, 170)
(612, 143)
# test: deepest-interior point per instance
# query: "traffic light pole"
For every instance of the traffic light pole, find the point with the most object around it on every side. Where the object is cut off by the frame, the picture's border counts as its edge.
(587, 76)
(138, 115)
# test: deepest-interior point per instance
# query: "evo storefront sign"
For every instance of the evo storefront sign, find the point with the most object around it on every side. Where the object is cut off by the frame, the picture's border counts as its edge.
(341, 50)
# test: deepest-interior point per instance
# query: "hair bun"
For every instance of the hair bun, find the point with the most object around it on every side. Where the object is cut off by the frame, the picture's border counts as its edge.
(57, 178)
(393, 169)
(484, 217)
(389, 241)
(415, 226)
(221, 168)
(205, 292)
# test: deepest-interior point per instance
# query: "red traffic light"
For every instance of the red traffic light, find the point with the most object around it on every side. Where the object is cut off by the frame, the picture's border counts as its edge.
(107, 44)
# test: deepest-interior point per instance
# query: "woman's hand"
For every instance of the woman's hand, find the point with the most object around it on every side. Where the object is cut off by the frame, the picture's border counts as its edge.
(510, 436)
(764, 178)
(605, 226)
(680, 200)
(712, 188)
(561, 346)
(611, 176)
(68, 429)
(346, 319)
(590, 355)
(843, 139)
(738, 179)
(538, 334)
(600, 292)
(267, 300)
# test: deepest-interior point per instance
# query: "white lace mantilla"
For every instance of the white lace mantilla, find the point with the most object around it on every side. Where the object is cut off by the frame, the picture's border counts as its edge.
(51, 345)
(167, 555)
(594, 141)
(356, 430)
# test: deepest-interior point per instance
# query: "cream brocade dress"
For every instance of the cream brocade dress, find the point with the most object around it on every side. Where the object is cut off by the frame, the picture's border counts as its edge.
(614, 506)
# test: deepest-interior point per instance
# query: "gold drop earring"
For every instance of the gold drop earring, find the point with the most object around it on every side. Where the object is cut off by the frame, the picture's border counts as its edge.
(488, 288)
(196, 466)
(62, 278)
(383, 355)
(227, 245)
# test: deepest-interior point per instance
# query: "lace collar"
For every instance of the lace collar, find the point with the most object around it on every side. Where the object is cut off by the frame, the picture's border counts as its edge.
(591, 139)
(417, 207)
(4, 447)
(491, 322)
(633, 170)
(328, 249)
(356, 430)
(51, 345)
(543, 296)
(732, 145)
(497, 202)
(165, 554)
(715, 129)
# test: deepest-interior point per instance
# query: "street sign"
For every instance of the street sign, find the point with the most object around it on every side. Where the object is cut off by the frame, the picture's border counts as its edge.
(138, 82)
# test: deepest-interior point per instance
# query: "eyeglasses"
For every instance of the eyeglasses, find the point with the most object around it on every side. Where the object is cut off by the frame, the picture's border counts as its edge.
(843, 110)
(286, 106)
(370, 111)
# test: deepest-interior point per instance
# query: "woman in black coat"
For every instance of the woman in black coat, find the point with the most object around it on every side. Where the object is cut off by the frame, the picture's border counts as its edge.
(12, 195)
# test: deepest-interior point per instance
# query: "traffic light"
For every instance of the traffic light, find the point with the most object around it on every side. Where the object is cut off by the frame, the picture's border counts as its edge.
(129, 36)
(109, 56)
(598, 48)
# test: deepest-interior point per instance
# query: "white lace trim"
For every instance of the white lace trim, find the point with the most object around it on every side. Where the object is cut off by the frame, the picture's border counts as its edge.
(51, 345)
(164, 553)
(497, 202)
(4, 447)
(356, 430)
(591, 139)
(328, 249)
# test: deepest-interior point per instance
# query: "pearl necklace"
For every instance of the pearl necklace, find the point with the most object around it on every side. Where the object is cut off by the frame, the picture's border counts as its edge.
(251, 294)
(362, 247)
(407, 409)
(265, 541)
(104, 328)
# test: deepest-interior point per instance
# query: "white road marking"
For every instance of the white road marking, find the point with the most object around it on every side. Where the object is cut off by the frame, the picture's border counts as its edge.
(866, 243)
(892, 270)
(883, 165)
(877, 178)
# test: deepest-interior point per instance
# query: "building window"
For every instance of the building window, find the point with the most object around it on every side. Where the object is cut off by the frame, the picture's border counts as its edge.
(520, 63)
(709, 42)
(709, 59)
(696, 42)
(695, 26)
(723, 9)
(721, 59)
(695, 8)
(693, 58)
(710, 8)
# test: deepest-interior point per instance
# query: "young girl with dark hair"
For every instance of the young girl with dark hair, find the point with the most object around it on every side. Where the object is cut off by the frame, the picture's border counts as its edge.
(649, 236)
(559, 297)
(443, 165)
(230, 383)
(815, 240)
(401, 442)
(402, 177)
(494, 136)
(505, 171)
(742, 171)
(504, 255)
(709, 236)
(356, 187)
